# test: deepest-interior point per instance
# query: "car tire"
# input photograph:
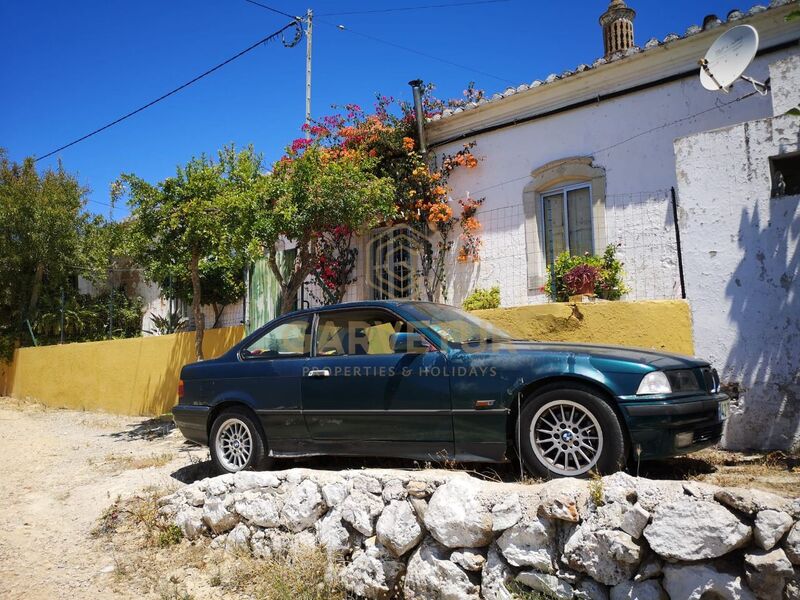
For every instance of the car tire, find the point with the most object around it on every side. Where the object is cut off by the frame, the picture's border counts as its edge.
(577, 433)
(237, 442)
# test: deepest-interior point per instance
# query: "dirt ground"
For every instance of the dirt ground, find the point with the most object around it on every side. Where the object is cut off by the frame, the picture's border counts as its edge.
(62, 470)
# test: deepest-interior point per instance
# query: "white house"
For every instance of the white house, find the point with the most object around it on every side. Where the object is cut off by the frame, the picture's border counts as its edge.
(586, 158)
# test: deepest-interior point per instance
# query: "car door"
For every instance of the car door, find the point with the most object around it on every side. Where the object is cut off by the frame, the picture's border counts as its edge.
(268, 376)
(356, 388)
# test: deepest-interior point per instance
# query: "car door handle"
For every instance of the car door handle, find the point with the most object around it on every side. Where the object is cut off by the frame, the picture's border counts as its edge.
(319, 373)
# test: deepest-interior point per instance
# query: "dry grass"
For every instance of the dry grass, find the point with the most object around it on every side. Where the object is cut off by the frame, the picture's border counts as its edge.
(119, 462)
(302, 575)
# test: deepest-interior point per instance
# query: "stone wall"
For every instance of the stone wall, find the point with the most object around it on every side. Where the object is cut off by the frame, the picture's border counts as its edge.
(445, 534)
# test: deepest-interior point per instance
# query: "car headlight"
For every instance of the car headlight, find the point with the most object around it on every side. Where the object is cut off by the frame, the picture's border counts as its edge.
(654, 383)
(683, 380)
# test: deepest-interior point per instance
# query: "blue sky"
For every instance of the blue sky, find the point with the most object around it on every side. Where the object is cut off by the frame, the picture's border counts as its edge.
(71, 67)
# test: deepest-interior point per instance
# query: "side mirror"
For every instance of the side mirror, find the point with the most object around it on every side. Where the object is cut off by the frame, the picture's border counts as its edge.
(408, 343)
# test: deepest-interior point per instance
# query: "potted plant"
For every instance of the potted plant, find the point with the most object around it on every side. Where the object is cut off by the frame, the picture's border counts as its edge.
(581, 280)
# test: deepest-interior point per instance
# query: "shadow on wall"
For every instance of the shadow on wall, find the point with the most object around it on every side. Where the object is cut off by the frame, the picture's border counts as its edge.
(765, 308)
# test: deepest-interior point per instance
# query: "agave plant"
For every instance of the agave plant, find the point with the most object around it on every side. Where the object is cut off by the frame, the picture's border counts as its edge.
(170, 323)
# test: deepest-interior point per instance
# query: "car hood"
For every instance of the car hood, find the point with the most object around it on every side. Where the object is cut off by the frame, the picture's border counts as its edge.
(657, 360)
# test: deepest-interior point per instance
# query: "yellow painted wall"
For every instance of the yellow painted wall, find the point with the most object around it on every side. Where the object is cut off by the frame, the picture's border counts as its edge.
(137, 376)
(658, 324)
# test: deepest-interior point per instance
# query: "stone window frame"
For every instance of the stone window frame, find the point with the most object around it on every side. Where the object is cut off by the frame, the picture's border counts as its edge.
(565, 172)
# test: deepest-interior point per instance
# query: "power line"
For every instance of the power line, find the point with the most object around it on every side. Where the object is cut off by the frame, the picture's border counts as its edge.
(275, 10)
(405, 48)
(415, 51)
(405, 8)
(264, 40)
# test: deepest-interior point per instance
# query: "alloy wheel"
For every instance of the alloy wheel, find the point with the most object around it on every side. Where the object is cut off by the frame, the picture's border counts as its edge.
(566, 437)
(234, 444)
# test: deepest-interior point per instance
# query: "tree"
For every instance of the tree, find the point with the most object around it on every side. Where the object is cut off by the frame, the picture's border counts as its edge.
(41, 220)
(313, 190)
(201, 216)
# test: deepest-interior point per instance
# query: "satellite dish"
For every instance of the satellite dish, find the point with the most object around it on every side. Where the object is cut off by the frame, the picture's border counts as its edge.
(729, 56)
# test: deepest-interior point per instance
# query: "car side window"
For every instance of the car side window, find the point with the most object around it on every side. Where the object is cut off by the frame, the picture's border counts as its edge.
(290, 339)
(357, 332)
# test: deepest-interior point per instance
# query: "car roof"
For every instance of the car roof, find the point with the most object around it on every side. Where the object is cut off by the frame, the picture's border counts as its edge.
(358, 304)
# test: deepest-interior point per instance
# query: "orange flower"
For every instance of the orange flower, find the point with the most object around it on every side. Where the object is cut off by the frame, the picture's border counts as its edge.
(471, 162)
(408, 144)
(440, 213)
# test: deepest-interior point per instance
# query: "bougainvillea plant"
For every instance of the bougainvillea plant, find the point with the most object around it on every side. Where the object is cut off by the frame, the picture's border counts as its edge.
(336, 261)
(387, 137)
(470, 226)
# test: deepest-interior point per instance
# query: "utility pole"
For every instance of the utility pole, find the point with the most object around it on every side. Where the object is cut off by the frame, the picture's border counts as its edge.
(309, 31)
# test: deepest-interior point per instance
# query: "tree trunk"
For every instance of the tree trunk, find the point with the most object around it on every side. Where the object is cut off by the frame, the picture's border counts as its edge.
(197, 310)
(36, 290)
(218, 310)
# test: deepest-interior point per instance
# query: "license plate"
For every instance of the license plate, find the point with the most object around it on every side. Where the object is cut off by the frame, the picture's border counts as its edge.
(723, 410)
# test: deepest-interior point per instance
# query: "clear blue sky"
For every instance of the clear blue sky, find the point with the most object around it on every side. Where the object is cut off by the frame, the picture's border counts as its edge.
(70, 67)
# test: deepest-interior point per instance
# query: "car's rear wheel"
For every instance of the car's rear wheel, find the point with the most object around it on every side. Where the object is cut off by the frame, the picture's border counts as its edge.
(570, 432)
(236, 442)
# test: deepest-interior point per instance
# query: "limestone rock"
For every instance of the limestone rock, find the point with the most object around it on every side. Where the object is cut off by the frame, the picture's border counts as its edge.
(238, 539)
(469, 559)
(259, 509)
(750, 501)
(507, 513)
(702, 581)
(373, 573)
(644, 590)
(530, 544)
(651, 567)
(792, 544)
(564, 499)
(332, 534)
(302, 507)
(792, 589)
(360, 509)
(456, 517)
(589, 589)
(363, 483)
(767, 573)
(634, 520)
(190, 520)
(608, 556)
(334, 493)
(695, 529)
(770, 526)
(398, 528)
(218, 518)
(266, 544)
(550, 585)
(495, 576)
(430, 574)
(248, 480)
(418, 489)
(394, 490)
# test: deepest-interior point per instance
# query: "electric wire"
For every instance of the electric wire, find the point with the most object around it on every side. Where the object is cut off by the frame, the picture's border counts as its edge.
(263, 40)
(275, 10)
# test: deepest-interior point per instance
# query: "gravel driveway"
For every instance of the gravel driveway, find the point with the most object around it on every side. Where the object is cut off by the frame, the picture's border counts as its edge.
(59, 470)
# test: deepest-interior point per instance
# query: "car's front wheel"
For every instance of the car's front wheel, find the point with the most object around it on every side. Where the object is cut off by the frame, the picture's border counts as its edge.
(570, 432)
(236, 442)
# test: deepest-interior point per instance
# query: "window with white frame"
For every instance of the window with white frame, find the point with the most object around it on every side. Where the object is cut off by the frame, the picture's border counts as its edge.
(564, 207)
(567, 221)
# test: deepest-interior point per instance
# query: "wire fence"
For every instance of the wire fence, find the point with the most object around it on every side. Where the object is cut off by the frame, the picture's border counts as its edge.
(518, 241)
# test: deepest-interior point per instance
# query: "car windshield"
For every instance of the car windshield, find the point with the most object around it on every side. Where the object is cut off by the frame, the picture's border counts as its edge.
(456, 326)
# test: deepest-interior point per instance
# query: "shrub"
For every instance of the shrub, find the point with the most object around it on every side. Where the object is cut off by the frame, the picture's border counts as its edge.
(581, 278)
(482, 298)
(609, 284)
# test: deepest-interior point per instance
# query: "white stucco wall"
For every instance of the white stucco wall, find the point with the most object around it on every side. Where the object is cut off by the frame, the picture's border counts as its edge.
(631, 137)
(742, 260)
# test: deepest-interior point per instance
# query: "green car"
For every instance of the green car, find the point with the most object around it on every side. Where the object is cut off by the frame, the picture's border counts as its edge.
(428, 381)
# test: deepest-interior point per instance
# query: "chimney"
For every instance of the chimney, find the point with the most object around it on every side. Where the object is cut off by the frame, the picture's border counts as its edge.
(617, 24)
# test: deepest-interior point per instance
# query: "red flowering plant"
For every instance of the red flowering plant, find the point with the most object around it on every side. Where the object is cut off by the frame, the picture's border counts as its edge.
(387, 139)
(336, 261)
(581, 279)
